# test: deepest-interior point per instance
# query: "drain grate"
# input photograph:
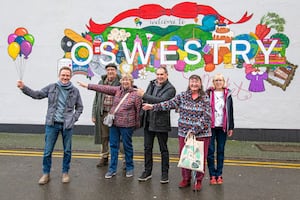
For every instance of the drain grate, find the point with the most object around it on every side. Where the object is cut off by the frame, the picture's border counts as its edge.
(278, 147)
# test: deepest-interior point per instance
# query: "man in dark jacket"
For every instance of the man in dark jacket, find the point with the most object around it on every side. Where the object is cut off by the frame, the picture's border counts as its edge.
(157, 123)
(101, 107)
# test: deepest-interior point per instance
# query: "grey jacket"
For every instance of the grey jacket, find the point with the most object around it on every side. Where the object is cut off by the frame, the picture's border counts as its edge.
(159, 121)
(73, 108)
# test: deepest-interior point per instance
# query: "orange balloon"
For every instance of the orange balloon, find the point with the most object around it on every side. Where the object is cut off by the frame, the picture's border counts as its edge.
(21, 31)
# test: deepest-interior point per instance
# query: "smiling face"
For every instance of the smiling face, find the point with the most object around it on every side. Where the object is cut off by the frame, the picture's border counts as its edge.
(111, 73)
(195, 83)
(161, 76)
(219, 82)
(65, 75)
(126, 81)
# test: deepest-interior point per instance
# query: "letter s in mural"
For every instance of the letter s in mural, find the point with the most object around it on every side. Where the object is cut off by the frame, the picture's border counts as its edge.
(186, 37)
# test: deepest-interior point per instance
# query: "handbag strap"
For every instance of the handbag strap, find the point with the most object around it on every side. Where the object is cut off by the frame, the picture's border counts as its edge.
(122, 100)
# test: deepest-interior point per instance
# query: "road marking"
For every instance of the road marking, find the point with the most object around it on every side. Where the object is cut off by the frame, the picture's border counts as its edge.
(244, 163)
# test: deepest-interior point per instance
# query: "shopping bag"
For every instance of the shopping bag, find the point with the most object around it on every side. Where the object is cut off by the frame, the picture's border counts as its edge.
(192, 154)
(109, 120)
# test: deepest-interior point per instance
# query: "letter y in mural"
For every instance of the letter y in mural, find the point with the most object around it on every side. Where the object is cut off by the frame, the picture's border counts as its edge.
(185, 38)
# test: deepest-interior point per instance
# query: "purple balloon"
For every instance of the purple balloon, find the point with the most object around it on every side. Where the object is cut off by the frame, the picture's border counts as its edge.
(11, 38)
(26, 48)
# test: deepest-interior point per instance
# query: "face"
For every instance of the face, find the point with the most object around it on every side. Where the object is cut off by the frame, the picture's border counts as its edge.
(111, 73)
(65, 76)
(161, 76)
(126, 83)
(218, 83)
(195, 84)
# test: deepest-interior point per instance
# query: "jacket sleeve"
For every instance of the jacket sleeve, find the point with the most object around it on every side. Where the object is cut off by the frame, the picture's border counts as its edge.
(78, 107)
(168, 94)
(230, 113)
(138, 106)
(36, 94)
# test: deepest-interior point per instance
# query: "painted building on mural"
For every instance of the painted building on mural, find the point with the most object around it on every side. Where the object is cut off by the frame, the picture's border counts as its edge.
(255, 48)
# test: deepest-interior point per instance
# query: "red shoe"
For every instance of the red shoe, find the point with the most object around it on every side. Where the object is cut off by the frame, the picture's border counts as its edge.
(197, 186)
(220, 180)
(184, 183)
(213, 180)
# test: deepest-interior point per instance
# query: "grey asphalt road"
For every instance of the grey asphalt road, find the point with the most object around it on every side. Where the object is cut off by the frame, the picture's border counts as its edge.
(19, 175)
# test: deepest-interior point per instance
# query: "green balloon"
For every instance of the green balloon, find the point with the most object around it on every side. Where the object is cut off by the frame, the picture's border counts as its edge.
(29, 38)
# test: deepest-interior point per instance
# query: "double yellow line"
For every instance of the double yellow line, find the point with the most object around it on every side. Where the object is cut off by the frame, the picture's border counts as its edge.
(83, 155)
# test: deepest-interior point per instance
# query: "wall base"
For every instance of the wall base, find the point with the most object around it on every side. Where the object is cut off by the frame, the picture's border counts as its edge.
(241, 134)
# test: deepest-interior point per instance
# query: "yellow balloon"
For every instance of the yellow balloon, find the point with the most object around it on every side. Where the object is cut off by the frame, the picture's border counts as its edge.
(13, 50)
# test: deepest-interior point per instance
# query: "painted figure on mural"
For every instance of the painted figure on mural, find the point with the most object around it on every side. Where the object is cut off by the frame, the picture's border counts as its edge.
(222, 126)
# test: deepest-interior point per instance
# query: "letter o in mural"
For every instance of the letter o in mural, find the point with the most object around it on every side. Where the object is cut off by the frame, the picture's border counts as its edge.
(76, 58)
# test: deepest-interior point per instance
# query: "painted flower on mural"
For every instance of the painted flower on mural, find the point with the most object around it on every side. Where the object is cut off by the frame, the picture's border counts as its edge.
(143, 74)
(118, 35)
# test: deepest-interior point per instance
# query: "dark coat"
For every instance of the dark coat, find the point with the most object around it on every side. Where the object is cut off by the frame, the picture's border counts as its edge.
(159, 121)
(97, 110)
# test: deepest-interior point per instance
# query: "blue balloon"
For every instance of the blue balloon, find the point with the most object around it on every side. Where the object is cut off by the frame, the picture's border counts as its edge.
(19, 39)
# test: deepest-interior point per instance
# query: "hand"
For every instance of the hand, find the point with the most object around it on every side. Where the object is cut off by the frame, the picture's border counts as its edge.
(20, 84)
(82, 84)
(147, 106)
(140, 92)
(229, 133)
(94, 120)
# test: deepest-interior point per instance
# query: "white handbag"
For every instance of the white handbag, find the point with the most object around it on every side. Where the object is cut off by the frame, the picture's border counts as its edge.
(109, 119)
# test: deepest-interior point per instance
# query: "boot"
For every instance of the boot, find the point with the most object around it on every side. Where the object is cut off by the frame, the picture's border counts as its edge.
(102, 162)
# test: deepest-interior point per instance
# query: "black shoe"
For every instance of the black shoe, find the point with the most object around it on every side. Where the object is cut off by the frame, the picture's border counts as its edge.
(164, 179)
(145, 176)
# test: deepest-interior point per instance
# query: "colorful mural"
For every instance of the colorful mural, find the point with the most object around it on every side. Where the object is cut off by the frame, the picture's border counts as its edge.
(194, 37)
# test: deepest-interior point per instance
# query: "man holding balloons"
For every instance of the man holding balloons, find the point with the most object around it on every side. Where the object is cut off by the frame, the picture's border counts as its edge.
(64, 108)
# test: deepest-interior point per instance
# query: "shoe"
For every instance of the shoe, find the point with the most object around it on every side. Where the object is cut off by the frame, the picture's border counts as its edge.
(197, 186)
(129, 173)
(184, 183)
(220, 180)
(213, 180)
(44, 179)
(102, 162)
(144, 177)
(164, 179)
(110, 174)
(65, 178)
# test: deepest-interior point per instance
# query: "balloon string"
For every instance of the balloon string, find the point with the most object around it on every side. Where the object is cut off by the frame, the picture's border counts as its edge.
(20, 64)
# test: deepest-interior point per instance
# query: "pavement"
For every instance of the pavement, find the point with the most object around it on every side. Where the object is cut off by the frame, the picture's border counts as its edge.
(245, 177)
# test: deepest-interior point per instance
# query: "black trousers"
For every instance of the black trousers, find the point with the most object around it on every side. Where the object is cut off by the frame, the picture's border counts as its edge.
(162, 138)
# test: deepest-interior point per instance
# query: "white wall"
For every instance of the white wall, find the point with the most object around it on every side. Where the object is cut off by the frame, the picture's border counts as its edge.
(47, 19)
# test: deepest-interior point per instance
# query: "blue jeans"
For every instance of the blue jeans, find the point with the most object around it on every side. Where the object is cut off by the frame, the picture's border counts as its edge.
(114, 139)
(220, 137)
(51, 136)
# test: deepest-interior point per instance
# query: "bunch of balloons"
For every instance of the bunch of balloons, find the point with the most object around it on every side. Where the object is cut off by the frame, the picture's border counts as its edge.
(19, 47)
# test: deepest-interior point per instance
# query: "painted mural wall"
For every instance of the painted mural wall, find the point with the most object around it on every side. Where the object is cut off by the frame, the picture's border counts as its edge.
(253, 43)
